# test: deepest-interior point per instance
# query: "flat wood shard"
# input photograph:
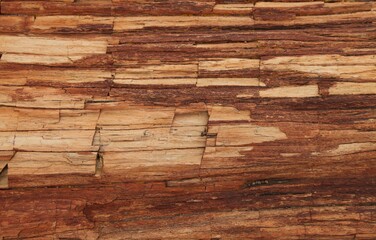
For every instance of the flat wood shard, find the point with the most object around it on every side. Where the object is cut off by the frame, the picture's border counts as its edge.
(343, 67)
(135, 23)
(22, 49)
(71, 24)
(291, 91)
(187, 119)
(42, 163)
(54, 77)
(344, 88)
(243, 134)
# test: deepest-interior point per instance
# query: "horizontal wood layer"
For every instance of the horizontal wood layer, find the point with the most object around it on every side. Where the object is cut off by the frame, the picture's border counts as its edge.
(187, 119)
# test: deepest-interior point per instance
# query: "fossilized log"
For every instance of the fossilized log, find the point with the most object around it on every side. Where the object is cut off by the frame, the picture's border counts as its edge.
(187, 119)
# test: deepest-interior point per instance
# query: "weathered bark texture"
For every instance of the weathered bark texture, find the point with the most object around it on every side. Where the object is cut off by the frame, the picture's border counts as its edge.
(187, 119)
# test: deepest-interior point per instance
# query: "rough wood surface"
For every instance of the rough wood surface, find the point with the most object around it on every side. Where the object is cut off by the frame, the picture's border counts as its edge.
(187, 119)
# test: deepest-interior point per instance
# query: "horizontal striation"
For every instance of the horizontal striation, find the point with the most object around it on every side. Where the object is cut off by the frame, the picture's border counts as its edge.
(187, 119)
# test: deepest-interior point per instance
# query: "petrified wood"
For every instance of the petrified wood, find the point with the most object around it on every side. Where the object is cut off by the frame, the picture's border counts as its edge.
(187, 119)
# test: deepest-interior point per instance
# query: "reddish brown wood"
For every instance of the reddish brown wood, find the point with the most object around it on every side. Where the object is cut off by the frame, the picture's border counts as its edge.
(187, 119)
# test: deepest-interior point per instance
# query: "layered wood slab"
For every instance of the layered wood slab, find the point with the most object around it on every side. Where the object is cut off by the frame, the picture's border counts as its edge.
(187, 119)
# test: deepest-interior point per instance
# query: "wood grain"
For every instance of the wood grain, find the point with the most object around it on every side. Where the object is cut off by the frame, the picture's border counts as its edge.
(187, 119)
